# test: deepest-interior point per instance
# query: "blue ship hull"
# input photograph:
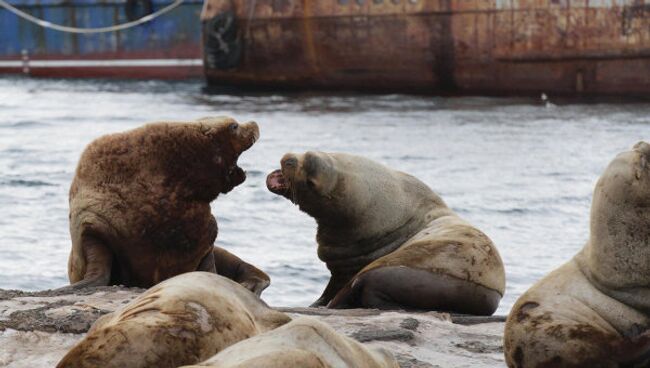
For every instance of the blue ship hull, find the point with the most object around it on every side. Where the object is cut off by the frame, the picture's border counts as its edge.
(168, 46)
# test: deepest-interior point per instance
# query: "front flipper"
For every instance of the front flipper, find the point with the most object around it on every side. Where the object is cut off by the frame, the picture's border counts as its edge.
(207, 263)
(234, 268)
(97, 260)
(336, 283)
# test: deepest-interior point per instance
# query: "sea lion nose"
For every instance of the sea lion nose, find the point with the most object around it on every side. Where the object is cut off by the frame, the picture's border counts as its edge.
(254, 129)
(289, 160)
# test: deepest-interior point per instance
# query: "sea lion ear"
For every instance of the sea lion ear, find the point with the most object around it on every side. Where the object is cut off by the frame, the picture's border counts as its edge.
(312, 167)
(207, 129)
(318, 172)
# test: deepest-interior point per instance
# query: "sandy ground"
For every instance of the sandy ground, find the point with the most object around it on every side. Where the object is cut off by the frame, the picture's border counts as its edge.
(37, 329)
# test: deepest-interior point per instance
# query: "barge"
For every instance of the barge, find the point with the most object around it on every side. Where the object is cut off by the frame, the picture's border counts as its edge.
(101, 38)
(496, 47)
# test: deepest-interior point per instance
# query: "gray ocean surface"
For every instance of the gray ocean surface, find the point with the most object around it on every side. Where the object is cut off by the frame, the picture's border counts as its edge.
(519, 170)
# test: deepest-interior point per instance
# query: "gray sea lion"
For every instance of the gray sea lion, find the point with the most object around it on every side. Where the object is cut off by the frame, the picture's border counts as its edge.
(388, 240)
(183, 320)
(304, 342)
(594, 311)
(140, 204)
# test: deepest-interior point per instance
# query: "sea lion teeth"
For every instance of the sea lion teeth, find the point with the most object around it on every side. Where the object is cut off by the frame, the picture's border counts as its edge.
(276, 182)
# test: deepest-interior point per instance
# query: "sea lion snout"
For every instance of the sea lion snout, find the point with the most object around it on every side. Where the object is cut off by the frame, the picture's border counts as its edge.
(246, 134)
(278, 181)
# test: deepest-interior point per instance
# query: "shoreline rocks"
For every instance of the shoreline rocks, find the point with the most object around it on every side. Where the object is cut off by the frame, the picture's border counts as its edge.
(38, 328)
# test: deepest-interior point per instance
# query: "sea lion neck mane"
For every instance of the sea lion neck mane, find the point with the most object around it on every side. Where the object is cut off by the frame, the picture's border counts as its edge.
(620, 230)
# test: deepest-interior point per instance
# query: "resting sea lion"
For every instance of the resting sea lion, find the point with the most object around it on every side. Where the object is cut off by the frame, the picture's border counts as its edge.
(594, 311)
(304, 342)
(388, 240)
(140, 204)
(183, 320)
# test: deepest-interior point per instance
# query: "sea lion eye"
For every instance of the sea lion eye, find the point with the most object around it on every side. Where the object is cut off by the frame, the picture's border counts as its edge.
(233, 127)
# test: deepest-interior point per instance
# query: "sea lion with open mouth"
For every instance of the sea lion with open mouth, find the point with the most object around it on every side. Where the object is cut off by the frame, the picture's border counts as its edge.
(140, 204)
(388, 240)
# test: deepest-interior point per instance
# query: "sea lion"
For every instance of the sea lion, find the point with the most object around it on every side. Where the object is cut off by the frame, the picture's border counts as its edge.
(183, 320)
(140, 204)
(304, 342)
(594, 311)
(388, 240)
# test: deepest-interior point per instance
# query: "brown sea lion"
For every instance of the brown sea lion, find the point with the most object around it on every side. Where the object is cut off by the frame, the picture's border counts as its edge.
(388, 240)
(140, 204)
(304, 342)
(594, 311)
(183, 320)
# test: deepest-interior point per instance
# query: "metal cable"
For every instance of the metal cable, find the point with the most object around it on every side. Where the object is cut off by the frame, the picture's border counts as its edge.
(119, 27)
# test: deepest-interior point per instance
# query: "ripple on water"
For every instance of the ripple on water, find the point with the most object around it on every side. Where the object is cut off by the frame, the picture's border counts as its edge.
(25, 124)
(25, 183)
(521, 172)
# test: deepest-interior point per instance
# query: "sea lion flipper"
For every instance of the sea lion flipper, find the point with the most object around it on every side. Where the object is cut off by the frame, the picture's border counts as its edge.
(337, 281)
(98, 260)
(401, 287)
(207, 263)
(234, 268)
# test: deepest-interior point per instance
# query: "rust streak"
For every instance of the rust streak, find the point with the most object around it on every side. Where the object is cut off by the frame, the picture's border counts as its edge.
(309, 37)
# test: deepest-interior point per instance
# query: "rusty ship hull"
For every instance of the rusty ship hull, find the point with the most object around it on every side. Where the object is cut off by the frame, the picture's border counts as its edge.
(568, 47)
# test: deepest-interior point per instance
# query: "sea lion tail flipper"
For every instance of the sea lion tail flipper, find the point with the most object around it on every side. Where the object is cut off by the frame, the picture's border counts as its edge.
(363, 292)
(401, 287)
(234, 268)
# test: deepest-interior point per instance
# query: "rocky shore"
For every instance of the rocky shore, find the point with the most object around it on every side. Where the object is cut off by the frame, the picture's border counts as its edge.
(38, 328)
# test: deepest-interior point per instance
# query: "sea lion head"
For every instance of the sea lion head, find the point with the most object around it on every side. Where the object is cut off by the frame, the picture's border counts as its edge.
(197, 159)
(308, 180)
(228, 140)
(619, 247)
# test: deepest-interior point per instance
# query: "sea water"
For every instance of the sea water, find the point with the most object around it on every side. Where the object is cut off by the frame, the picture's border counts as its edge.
(519, 169)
